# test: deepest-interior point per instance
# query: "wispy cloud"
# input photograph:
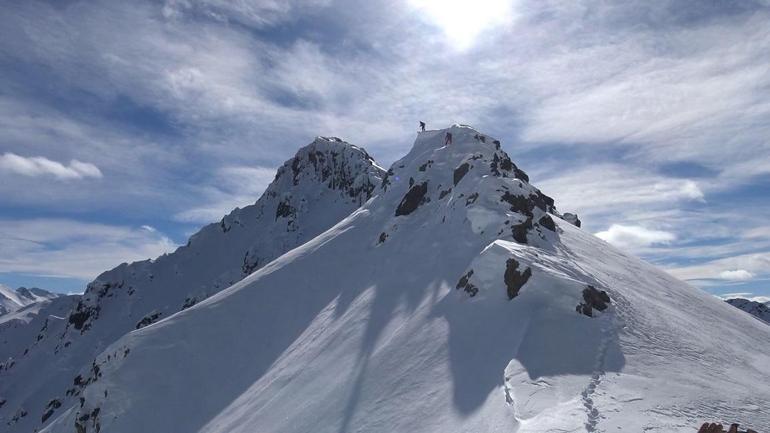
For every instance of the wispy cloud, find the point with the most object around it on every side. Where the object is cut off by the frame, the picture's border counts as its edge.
(631, 237)
(186, 106)
(41, 166)
(67, 248)
(736, 275)
(235, 187)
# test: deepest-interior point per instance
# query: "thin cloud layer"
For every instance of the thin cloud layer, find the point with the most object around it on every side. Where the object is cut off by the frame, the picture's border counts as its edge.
(40, 166)
(632, 113)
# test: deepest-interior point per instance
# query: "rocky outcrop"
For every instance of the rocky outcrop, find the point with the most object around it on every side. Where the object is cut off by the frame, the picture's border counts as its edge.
(718, 428)
(413, 199)
(593, 299)
(515, 279)
(571, 218)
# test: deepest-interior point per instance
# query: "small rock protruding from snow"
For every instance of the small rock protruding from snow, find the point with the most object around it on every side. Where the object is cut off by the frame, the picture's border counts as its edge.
(571, 218)
(593, 299)
(515, 279)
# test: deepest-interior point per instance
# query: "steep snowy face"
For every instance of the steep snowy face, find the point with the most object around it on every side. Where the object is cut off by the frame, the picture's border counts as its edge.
(12, 300)
(757, 309)
(455, 299)
(323, 183)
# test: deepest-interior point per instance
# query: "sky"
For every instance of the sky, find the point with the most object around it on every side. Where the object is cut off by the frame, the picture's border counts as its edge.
(126, 126)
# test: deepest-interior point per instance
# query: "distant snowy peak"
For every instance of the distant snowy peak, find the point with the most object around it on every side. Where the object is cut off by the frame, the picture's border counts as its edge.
(12, 300)
(756, 309)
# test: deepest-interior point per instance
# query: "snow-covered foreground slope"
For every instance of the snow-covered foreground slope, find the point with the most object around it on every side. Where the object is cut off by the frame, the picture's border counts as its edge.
(322, 184)
(757, 309)
(450, 302)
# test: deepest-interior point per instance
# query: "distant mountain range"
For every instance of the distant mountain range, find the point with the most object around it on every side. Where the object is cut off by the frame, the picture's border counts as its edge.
(757, 309)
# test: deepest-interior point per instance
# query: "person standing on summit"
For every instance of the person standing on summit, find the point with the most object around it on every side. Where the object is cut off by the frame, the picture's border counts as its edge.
(448, 139)
(422, 126)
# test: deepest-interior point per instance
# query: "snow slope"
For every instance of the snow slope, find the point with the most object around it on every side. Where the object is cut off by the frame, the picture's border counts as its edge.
(323, 183)
(451, 302)
(12, 300)
(757, 309)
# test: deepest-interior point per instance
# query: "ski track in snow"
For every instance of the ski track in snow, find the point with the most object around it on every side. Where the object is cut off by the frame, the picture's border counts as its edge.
(592, 412)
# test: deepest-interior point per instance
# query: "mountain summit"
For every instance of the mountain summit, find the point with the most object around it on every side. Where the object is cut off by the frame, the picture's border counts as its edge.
(455, 299)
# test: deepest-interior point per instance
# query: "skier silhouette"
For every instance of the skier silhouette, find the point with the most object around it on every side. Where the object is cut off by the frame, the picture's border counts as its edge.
(448, 139)
(422, 126)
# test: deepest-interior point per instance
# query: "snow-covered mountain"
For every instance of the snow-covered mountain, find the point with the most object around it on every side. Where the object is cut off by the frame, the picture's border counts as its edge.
(322, 184)
(757, 309)
(12, 300)
(455, 300)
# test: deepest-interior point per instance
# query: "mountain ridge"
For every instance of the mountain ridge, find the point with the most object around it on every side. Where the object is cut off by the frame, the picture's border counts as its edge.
(455, 299)
(321, 184)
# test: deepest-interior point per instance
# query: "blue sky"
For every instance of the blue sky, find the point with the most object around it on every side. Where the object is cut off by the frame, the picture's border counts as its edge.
(125, 126)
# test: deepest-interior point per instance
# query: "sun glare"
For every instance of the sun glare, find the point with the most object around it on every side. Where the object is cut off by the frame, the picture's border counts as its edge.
(463, 20)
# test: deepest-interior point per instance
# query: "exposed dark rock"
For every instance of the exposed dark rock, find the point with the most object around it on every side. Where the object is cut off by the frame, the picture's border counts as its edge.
(50, 408)
(497, 144)
(547, 222)
(412, 200)
(82, 316)
(284, 209)
(519, 174)
(444, 193)
(519, 231)
(471, 199)
(189, 302)
(519, 203)
(466, 285)
(383, 237)
(426, 165)
(148, 319)
(386, 179)
(250, 263)
(460, 172)
(515, 280)
(718, 428)
(571, 218)
(593, 299)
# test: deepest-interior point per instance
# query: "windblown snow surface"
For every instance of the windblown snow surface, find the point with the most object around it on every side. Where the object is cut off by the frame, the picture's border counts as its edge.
(379, 325)
(40, 362)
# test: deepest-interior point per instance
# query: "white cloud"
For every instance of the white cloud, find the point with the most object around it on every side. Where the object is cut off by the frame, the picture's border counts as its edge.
(732, 268)
(632, 237)
(69, 248)
(736, 275)
(41, 166)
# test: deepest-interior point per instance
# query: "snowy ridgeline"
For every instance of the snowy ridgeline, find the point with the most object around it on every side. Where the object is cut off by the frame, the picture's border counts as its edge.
(39, 363)
(456, 298)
